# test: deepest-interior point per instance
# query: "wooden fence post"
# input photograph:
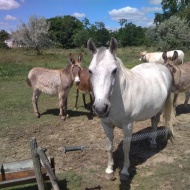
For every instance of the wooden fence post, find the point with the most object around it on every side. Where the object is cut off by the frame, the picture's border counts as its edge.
(36, 163)
(47, 165)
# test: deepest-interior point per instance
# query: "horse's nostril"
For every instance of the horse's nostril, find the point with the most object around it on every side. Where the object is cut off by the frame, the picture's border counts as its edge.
(106, 108)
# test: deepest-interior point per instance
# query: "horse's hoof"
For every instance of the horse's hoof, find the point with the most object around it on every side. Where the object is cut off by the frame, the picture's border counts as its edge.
(67, 116)
(75, 108)
(153, 146)
(110, 176)
(124, 177)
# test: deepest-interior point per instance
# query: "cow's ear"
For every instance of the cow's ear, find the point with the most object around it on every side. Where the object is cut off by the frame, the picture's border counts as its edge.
(164, 56)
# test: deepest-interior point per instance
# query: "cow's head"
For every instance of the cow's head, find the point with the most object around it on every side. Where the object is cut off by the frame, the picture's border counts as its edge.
(143, 56)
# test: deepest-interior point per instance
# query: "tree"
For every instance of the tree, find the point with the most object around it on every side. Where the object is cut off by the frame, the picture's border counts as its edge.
(173, 33)
(173, 7)
(131, 35)
(3, 36)
(34, 34)
(63, 29)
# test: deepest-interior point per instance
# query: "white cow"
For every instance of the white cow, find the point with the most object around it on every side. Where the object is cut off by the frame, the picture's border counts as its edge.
(156, 57)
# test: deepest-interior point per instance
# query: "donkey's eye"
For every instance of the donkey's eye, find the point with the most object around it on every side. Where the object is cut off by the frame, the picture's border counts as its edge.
(114, 71)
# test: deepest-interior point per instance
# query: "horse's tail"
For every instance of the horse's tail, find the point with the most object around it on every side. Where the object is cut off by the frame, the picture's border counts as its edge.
(28, 82)
(169, 116)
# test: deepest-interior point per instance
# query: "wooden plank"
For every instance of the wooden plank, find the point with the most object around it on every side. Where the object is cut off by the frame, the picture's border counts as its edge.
(23, 181)
(19, 175)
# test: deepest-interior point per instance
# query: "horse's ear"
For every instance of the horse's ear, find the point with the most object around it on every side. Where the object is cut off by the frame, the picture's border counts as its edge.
(164, 56)
(91, 46)
(80, 57)
(175, 55)
(113, 45)
(71, 58)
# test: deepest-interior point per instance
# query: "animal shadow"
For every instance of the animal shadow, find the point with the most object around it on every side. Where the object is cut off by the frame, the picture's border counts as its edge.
(180, 109)
(140, 151)
(70, 112)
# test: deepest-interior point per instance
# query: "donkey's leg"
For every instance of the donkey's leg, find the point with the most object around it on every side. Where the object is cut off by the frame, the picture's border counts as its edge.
(77, 95)
(127, 133)
(84, 99)
(109, 134)
(175, 99)
(61, 95)
(91, 103)
(154, 123)
(35, 97)
(187, 94)
(65, 107)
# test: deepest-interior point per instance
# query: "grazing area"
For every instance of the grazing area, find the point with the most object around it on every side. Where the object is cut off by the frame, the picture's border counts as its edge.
(167, 167)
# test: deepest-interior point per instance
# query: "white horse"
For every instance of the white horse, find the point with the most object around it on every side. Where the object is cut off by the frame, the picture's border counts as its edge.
(123, 96)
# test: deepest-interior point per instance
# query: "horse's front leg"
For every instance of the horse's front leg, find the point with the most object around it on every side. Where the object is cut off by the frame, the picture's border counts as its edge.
(127, 134)
(109, 134)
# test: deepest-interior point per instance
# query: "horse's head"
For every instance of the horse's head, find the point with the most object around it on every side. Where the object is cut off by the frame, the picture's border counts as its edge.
(102, 69)
(75, 67)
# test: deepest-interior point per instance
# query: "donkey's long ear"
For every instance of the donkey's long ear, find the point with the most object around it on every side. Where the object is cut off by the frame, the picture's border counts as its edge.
(80, 57)
(71, 58)
(164, 56)
(175, 55)
(113, 45)
(91, 46)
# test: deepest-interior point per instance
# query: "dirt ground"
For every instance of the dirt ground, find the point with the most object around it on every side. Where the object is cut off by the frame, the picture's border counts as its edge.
(92, 162)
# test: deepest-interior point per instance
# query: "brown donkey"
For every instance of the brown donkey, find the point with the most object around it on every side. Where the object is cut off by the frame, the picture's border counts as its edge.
(55, 82)
(86, 88)
(181, 77)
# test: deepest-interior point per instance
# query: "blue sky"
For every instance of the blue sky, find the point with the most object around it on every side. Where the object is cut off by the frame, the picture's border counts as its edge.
(139, 12)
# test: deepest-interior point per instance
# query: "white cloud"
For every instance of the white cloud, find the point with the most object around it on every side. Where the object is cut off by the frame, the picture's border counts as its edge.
(128, 13)
(2, 24)
(79, 15)
(151, 9)
(9, 17)
(134, 15)
(155, 2)
(8, 4)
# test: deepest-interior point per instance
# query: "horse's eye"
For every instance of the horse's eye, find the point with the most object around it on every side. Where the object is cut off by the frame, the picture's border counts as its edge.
(90, 72)
(114, 71)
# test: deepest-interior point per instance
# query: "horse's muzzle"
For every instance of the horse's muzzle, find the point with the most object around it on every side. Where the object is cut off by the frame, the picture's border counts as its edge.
(102, 112)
